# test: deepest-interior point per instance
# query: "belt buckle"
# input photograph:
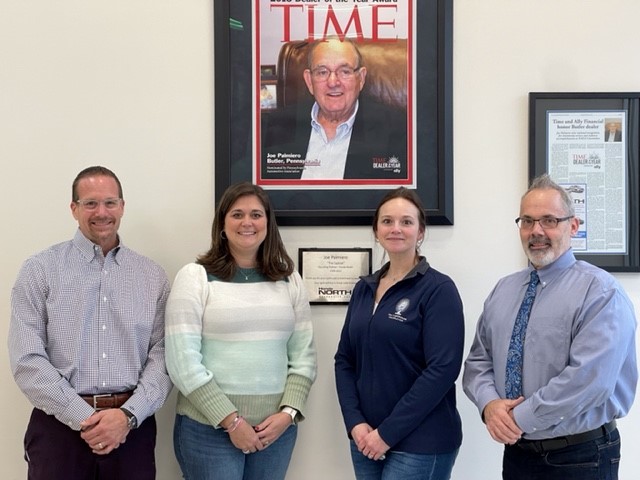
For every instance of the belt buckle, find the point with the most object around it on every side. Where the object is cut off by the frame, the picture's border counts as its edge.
(95, 400)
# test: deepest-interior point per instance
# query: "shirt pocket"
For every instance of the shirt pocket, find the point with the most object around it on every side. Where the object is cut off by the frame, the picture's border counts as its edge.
(547, 343)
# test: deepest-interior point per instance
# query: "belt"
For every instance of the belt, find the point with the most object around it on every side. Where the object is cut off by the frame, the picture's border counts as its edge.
(107, 400)
(550, 444)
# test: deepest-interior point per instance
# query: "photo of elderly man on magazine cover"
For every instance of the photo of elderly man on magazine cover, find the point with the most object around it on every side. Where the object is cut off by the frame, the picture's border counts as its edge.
(343, 94)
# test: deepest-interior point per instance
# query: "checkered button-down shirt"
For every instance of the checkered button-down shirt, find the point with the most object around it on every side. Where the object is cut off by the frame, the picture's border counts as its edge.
(84, 324)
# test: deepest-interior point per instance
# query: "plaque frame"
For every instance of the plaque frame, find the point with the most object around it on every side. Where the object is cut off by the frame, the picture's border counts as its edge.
(332, 295)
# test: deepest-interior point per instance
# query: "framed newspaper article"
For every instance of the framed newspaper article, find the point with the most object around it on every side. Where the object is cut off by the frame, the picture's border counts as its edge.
(326, 105)
(589, 144)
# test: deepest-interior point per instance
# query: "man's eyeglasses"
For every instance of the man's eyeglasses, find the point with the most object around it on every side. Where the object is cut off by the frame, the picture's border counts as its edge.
(547, 223)
(109, 203)
(322, 74)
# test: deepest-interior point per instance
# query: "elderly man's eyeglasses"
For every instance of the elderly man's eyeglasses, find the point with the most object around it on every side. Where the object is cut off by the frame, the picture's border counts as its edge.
(547, 223)
(109, 203)
(322, 74)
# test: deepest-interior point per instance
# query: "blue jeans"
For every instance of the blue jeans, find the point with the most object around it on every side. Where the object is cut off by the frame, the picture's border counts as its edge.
(403, 466)
(206, 453)
(597, 459)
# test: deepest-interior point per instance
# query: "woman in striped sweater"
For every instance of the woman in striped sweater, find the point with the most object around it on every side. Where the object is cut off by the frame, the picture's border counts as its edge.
(239, 346)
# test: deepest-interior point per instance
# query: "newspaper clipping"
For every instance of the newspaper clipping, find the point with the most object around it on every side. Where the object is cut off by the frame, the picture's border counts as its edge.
(587, 156)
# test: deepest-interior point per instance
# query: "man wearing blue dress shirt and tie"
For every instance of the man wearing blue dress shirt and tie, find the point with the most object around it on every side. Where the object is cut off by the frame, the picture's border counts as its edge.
(551, 374)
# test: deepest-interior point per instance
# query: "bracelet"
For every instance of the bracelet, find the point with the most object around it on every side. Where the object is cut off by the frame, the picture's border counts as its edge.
(236, 422)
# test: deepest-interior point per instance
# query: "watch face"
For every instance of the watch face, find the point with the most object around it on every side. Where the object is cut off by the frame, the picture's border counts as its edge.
(132, 421)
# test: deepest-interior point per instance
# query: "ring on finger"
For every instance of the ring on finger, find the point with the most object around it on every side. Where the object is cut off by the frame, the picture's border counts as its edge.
(100, 446)
(246, 452)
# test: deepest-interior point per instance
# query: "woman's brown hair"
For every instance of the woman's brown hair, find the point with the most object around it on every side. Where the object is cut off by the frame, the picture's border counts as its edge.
(273, 260)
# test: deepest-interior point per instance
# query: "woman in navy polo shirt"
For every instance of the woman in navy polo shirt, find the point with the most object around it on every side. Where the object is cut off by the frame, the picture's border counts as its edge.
(399, 355)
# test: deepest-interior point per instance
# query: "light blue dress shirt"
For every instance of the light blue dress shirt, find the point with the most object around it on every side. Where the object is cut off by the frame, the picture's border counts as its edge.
(326, 159)
(579, 367)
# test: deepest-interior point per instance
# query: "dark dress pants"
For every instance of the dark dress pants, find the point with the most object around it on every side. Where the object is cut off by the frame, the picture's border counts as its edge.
(54, 451)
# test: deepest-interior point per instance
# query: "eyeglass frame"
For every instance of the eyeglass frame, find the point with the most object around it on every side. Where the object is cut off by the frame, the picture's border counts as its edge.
(313, 72)
(83, 203)
(540, 220)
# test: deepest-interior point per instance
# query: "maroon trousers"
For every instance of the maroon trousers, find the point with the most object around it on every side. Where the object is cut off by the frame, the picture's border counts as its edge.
(53, 451)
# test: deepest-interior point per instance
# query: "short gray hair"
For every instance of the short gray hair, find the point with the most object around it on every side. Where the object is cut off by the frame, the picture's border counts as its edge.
(544, 182)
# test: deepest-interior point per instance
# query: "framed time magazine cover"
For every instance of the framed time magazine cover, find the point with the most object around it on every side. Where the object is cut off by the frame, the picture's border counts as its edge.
(589, 144)
(285, 70)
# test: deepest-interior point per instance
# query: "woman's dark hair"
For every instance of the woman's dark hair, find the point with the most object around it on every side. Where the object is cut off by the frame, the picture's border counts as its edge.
(411, 196)
(273, 260)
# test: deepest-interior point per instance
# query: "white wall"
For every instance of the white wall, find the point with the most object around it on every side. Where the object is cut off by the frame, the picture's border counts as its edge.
(129, 84)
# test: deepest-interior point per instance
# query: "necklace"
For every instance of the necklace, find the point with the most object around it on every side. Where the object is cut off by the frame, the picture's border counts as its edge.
(247, 272)
(396, 278)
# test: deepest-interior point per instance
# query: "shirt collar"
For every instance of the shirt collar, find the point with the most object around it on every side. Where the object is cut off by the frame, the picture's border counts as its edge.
(90, 250)
(420, 269)
(349, 123)
(551, 272)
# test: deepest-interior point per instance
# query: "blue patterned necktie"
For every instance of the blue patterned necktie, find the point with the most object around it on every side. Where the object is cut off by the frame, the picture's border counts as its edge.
(513, 380)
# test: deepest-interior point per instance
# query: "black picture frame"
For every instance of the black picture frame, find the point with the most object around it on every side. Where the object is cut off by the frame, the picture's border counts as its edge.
(433, 125)
(541, 104)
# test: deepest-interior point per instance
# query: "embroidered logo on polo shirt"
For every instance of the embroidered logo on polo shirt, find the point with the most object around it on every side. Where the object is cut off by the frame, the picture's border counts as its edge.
(400, 307)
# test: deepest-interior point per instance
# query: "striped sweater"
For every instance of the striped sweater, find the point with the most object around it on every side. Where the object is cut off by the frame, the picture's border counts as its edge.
(244, 345)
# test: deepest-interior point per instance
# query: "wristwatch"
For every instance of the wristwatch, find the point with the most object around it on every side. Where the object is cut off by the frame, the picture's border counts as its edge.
(290, 411)
(132, 421)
